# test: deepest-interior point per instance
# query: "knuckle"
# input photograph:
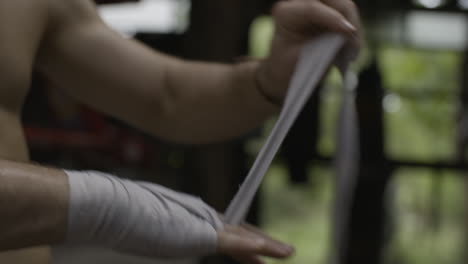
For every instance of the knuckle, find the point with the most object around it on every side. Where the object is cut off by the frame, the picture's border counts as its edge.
(350, 4)
(313, 5)
(280, 7)
(348, 9)
(313, 9)
(261, 245)
(343, 6)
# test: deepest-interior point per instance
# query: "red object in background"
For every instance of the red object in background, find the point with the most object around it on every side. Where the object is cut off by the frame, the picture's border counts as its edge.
(123, 145)
(61, 138)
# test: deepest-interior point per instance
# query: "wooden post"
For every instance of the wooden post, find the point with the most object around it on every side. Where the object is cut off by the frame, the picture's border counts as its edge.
(219, 32)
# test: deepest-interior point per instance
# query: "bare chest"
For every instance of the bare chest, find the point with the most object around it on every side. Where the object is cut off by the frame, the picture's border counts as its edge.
(12, 95)
(12, 142)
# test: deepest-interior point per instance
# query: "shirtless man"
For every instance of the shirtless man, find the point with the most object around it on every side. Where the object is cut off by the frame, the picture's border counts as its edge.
(183, 101)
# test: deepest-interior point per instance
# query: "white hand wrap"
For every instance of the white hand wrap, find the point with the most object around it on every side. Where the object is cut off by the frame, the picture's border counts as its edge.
(139, 218)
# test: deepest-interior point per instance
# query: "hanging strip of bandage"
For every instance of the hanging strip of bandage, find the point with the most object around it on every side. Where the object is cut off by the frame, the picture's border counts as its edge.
(346, 165)
(315, 59)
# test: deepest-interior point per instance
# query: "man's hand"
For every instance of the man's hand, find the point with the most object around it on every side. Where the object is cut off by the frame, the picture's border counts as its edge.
(247, 244)
(52, 206)
(146, 219)
(298, 21)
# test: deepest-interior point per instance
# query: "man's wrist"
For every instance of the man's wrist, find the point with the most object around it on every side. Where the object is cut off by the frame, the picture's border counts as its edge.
(260, 86)
(250, 71)
(139, 218)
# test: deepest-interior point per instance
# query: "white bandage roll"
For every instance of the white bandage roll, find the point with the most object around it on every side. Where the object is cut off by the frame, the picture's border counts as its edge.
(139, 218)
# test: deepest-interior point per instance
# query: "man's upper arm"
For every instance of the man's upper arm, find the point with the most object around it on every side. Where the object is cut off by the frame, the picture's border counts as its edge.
(161, 95)
(101, 68)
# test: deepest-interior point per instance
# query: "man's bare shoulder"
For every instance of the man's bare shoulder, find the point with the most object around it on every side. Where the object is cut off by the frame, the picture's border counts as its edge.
(72, 11)
(22, 23)
(25, 27)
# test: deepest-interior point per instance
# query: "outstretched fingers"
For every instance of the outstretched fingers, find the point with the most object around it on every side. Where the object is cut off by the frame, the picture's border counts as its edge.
(311, 17)
(247, 246)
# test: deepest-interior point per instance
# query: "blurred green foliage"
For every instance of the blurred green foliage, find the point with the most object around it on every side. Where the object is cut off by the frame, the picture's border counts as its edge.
(427, 214)
(426, 83)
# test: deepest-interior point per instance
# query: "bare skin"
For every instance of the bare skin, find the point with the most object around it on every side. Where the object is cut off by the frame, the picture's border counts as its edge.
(14, 79)
(67, 41)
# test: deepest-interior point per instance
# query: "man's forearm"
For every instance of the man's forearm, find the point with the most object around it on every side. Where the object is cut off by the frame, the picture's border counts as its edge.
(33, 205)
(47, 206)
(212, 102)
(41, 206)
